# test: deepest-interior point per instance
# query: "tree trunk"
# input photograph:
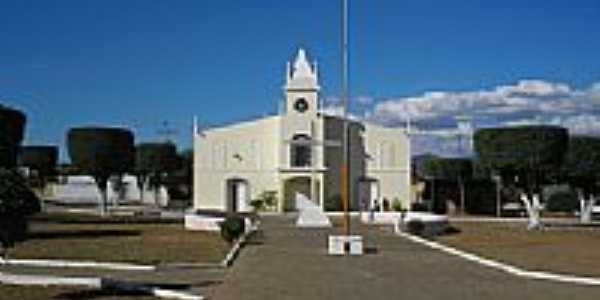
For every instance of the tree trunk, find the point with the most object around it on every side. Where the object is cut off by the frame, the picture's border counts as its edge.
(102, 183)
(461, 189)
(141, 183)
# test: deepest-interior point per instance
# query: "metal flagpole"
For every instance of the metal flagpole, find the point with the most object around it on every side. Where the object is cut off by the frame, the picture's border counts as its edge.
(345, 184)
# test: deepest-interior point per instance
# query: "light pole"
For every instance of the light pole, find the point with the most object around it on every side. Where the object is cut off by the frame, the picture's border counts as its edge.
(498, 181)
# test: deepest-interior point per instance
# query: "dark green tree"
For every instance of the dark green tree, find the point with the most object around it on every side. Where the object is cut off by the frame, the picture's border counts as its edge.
(581, 167)
(154, 161)
(455, 170)
(17, 201)
(12, 127)
(101, 152)
(41, 159)
(523, 156)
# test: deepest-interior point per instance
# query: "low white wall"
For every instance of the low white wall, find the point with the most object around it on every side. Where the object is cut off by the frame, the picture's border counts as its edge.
(391, 218)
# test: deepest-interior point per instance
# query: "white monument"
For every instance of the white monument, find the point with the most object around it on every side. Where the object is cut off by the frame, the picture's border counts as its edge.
(310, 214)
(534, 209)
(586, 208)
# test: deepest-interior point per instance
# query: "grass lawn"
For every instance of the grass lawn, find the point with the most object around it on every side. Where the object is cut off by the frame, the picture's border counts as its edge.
(132, 240)
(59, 293)
(560, 250)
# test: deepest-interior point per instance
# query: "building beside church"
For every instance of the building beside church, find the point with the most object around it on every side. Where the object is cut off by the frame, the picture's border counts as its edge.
(298, 153)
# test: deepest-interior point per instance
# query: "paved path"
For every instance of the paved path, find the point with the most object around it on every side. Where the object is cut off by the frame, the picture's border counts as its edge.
(292, 264)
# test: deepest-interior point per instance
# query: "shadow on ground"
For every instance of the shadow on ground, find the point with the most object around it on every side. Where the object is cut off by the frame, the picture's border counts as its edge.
(82, 234)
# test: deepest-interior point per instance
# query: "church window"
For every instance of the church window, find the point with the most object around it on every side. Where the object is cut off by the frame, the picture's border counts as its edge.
(301, 151)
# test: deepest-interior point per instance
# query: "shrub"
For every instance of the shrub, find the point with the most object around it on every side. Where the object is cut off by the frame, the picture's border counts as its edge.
(265, 201)
(257, 204)
(17, 202)
(415, 227)
(564, 201)
(397, 205)
(232, 228)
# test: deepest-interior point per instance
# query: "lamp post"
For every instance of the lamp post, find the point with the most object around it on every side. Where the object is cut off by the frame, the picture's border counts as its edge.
(498, 180)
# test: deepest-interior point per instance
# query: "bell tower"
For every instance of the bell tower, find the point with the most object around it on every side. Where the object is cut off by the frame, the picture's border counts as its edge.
(302, 87)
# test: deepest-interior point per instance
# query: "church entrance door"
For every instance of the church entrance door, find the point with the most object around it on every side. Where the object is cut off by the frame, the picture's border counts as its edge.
(237, 195)
(297, 187)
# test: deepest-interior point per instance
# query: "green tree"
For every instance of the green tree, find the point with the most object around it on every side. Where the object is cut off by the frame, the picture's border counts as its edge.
(154, 161)
(581, 167)
(456, 170)
(524, 155)
(41, 159)
(12, 127)
(101, 152)
(17, 202)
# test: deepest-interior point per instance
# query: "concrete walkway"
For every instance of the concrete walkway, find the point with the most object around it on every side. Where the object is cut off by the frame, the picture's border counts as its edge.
(289, 263)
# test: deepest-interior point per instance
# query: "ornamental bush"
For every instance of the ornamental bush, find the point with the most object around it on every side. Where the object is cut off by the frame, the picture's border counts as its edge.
(17, 202)
(416, 227)
(12, 127)
(563, 201)
(232, 228)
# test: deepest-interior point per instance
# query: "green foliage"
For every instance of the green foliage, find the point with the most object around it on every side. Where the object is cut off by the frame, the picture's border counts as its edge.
(416, 227)
(41, 159)
(267, 200)
(452, 169)
(232, 228)
(563, 201)
(481, 197)
(582, 163)
(532, 151)
(12, 127)
(16, 198)
(397, 205)
(101, 152)
(17, 202)
(156, 158)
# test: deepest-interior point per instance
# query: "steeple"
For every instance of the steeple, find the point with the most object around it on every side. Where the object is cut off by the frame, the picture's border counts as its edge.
(302, 76)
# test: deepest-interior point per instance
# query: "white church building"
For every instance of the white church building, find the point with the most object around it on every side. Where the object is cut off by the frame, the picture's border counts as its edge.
(298, 153)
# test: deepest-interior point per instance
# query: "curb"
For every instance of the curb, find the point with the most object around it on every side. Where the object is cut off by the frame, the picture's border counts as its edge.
(75, 264)
(540, 275)
(234, 251)
(94, 283)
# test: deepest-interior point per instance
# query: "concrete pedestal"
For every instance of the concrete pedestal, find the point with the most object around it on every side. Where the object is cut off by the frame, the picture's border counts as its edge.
(345, 244)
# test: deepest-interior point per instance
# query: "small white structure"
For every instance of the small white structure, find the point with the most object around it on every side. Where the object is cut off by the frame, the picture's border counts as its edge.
(534, 209)
(587, 208)
(311, 215)
(82, 189)
(345, 244)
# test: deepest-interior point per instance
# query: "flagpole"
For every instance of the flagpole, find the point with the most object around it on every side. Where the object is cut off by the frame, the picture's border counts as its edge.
(345, 184)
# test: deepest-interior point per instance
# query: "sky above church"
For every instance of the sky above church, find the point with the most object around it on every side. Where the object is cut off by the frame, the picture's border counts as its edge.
(153, 65)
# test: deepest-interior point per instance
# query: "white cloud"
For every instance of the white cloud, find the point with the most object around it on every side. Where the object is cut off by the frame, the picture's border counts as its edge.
(525, 102)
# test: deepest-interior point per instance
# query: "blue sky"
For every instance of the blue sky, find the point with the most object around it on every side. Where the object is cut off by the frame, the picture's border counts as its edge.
(140, 63)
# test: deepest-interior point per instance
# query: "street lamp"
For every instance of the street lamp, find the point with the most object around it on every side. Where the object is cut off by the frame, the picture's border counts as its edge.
(498, 180)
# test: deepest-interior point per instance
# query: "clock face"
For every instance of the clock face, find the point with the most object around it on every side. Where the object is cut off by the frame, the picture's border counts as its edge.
(301, 105)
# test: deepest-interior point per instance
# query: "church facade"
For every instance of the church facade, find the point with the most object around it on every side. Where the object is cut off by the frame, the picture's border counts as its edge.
(299, 153)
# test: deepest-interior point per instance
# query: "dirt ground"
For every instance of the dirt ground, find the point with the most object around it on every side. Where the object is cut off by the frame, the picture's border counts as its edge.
(556, 249)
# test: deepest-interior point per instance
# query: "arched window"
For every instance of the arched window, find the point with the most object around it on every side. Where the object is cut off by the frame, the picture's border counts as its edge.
(301, 151)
